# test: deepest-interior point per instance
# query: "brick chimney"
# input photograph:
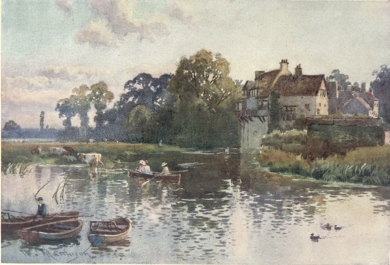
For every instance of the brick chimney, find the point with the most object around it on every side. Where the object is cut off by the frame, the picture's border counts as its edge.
(284, 65)
(298, 70)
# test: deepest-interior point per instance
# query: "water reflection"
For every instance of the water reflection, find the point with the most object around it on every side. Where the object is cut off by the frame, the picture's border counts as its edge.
(225, 210)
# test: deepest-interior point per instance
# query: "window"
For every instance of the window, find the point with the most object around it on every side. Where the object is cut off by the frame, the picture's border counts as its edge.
(318, 112)
(289, 113)
(319, 104)
(307, 107)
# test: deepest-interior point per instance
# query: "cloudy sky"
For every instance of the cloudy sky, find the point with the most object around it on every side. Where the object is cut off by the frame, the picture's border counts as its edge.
(50, 47)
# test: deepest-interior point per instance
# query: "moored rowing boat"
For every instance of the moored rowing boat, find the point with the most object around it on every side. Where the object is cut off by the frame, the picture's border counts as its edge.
(52, 231)
(12, 223)
(101, 232)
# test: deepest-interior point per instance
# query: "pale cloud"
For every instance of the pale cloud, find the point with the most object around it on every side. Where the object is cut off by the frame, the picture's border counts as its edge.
(35, 83)
(65, 6)
(96, 34)
(71, 73)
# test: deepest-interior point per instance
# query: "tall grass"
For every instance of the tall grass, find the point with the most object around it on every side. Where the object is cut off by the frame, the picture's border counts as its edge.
(368, 165)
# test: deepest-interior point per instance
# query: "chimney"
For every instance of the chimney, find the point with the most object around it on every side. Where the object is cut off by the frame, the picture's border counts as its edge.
(258, 74)
(284, 65)
(363, 87)
(298, 70)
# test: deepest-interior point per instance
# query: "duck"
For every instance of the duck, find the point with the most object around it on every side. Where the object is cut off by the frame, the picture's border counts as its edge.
(337, 227)
(328, 226)
(313, 237)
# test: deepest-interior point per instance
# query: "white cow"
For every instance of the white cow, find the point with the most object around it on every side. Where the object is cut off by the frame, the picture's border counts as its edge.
(58, 151)
(92, 159)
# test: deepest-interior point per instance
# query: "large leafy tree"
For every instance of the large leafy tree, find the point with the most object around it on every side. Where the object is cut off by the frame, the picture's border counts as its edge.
(100, 96)
(203, 113)
(381, 89)
(66, 110)
(144, 89)
(203, 78)
(81, 104)
(342, 79)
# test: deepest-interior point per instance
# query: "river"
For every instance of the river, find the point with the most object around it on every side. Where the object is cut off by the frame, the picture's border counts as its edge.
(225, 210)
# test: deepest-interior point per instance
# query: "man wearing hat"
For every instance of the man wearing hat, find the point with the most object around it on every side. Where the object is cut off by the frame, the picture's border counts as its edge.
(165, 170)
(42, 209)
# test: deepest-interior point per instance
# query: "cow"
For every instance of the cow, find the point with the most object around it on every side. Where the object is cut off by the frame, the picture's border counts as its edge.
(70, 150)
(36, 151)
(92, 159)
(58, 151)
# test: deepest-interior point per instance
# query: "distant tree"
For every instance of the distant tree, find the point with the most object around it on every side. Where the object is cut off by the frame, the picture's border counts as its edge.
(381, 88)
(81, 105)
(11, 126)
(100, 96)
(203, 78)
(42, 120)
(341, 79)
(66, 109)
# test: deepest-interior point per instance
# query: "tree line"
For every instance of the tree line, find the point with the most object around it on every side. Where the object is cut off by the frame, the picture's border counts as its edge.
(195, 107)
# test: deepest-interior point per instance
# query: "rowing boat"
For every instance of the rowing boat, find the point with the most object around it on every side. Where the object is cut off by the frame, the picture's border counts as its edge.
(170, 178)
(11, 223)
(102, 232)
(52, 231)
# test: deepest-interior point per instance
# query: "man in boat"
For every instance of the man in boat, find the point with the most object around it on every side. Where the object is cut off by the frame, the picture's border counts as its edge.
(165, 170)
(42, 208)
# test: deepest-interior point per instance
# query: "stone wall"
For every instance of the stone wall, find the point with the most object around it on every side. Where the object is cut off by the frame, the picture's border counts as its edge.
(336, 136)
(252, 133)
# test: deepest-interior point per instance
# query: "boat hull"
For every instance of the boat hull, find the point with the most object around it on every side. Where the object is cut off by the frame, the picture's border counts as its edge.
(114, 230)
(19, 222)
(171, 178)
(52, 231)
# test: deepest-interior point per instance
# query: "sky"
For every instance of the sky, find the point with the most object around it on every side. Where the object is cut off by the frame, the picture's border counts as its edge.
(50, 47)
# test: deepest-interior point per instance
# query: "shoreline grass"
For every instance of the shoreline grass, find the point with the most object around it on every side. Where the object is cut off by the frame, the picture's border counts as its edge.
(367, 165)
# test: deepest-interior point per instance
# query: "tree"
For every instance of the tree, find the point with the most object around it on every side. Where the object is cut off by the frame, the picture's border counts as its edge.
(11, 126)
(42, 120)
(99, 96)
(381, 88)
(341, 79)
(66, 109)
(81, 105)
(275, 112)
(203, 78)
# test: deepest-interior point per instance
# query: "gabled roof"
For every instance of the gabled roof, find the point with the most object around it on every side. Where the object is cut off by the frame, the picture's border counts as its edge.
(263, 83)
(371, 96)
(304, 85)
(358, 100)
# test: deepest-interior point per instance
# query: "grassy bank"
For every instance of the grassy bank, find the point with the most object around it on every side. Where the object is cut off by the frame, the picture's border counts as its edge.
(368, 165)
(17, 156)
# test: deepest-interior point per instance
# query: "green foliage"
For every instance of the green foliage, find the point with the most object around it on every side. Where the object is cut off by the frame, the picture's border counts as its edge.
(342, 79)
(11, 126)
(203, 79)
(275, 112)
(290, 141)
(381, 88)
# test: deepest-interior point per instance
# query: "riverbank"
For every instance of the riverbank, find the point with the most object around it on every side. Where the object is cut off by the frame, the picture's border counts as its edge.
(367, 165)
(19, 154)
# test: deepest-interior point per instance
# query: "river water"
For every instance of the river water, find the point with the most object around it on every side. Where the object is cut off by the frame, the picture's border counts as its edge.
(225, 210)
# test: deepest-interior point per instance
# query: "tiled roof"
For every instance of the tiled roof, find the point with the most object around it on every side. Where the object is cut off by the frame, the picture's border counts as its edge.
(263, 83)
(304, 85)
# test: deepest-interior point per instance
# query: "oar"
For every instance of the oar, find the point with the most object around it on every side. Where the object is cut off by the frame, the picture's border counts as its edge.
(14, 211)
(149, 180)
